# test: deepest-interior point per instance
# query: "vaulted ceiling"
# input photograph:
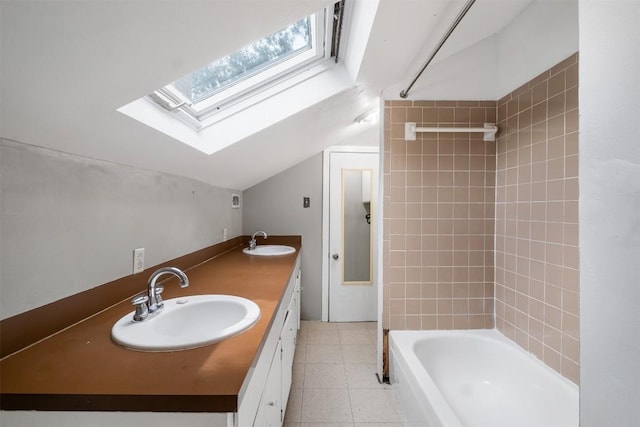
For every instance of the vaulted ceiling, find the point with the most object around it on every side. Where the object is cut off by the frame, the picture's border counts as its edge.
(66, 67)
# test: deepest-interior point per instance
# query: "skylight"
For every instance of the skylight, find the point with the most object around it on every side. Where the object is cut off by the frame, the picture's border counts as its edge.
(241, 64)
(224, 86)
(249, 90)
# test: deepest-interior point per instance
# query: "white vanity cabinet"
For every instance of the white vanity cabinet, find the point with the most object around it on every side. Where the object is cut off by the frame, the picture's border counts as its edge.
(275, 396)
(288, 349)
(265, 393)
(270, 411)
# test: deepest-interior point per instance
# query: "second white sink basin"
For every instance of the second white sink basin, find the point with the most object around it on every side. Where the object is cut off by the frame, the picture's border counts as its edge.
(270, 250)
(187, 322)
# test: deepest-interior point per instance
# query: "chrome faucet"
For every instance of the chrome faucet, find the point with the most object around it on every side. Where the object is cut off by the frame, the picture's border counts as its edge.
(155, 301)
(152, 302)
(252, 242)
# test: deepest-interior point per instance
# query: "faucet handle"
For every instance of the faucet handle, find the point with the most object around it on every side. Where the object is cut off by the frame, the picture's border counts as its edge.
(159, 302)
(142, 311)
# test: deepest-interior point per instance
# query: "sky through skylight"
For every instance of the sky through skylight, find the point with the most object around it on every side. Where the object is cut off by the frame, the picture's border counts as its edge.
(248, 61)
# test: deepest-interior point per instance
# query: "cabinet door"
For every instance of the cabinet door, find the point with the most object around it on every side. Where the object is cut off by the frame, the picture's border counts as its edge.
(288, 340)
(297, 294)
(270, 411)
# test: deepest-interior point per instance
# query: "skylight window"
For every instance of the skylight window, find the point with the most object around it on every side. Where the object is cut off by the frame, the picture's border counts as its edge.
(250, 60)
(246, 76)
(253, 88)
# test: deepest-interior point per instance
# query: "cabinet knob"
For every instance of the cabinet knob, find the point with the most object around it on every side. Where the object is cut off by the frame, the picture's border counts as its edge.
(335, 256)
(272, 403)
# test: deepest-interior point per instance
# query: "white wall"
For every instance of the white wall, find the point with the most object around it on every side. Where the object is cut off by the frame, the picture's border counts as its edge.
(69, 224)
(275, 206)
(543, 35)
(609, 213)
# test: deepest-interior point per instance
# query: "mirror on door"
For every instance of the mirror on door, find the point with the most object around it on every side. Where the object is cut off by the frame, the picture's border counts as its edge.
(356, 226)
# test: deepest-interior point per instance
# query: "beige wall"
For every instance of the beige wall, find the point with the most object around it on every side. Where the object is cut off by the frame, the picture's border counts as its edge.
(438, 218)
(537, 295)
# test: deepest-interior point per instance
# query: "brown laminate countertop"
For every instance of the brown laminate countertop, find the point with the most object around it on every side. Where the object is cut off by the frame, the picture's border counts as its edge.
(80, 368)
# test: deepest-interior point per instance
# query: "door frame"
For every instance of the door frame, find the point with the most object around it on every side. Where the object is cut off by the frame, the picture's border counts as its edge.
(326, 156)
(377, 241)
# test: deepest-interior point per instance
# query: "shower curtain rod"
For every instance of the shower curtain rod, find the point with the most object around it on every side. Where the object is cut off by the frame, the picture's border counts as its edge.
(463, 12)
(410, 130)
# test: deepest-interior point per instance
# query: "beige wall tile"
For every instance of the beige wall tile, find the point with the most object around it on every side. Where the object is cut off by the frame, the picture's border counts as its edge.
(449, 196)
(547, 296)
(440, 216)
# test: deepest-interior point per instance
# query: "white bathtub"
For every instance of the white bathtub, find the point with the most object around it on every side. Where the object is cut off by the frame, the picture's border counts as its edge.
(476, 378)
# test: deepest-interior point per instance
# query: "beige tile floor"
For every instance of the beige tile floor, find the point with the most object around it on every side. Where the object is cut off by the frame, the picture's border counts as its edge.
(334, 379)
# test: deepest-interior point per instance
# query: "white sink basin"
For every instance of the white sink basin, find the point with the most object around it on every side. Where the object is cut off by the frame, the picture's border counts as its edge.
(187, 322)
(270, 250)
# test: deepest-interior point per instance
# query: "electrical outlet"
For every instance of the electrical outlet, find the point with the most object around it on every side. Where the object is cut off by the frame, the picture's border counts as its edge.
(138, 260)
(224, 234)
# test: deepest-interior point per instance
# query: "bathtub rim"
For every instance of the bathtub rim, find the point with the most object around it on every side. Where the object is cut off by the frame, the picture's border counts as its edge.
(436, 410)
(423, 382)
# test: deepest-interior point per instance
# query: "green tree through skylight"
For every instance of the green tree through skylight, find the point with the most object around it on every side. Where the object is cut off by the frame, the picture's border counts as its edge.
(246, 62)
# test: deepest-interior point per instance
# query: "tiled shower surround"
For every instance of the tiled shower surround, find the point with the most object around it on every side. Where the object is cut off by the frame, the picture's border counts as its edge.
(537, 218)
(438, 218)
(449, 198)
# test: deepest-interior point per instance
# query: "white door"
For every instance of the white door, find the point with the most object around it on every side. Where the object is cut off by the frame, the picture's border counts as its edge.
(353, 189)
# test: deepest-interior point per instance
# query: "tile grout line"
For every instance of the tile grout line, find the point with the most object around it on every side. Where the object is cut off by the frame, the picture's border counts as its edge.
(348, 388)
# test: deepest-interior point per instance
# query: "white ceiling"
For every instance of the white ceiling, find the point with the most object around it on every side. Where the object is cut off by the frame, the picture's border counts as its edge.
(66, 67)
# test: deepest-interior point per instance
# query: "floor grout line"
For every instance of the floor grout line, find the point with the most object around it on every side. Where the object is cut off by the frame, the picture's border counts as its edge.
(356, 381)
